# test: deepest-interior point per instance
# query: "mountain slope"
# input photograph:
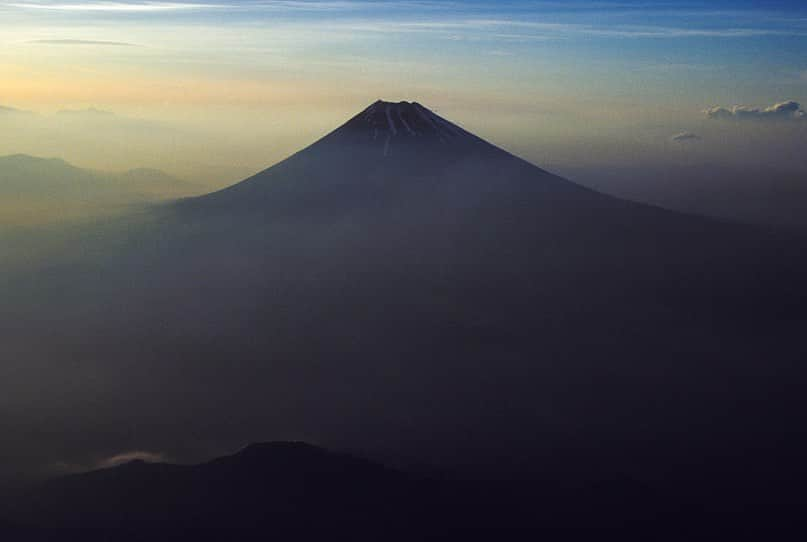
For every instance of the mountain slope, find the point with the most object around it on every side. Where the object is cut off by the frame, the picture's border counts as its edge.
(388, 150)
(408, 189)
(763, 195)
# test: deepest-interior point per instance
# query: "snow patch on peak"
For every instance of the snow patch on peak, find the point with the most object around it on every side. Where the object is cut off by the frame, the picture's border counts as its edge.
(391, 123)
(394, 120)
(405, 124)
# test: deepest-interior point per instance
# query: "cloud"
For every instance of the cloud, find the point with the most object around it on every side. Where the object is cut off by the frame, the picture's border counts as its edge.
(134, 455)
(680, 32)
(136, 7)
(84, 42)
(331, 5)
(89, 112)
(686, 136)
(62, 468)
(546, 28)
(787, 111)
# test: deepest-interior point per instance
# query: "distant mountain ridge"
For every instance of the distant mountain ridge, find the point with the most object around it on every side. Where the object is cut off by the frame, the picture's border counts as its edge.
(36, 189)
(6, 110)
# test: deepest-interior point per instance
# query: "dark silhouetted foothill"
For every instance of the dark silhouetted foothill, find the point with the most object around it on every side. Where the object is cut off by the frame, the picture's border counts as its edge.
(290, 484)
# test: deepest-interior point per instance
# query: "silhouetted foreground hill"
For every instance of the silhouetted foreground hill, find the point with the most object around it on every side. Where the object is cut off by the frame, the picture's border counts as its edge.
(294, 485)
(262, 485)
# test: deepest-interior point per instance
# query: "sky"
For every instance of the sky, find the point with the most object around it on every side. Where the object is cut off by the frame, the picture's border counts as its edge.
(214, 90)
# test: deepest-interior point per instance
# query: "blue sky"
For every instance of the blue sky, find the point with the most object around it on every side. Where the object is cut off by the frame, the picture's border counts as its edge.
(552, 80)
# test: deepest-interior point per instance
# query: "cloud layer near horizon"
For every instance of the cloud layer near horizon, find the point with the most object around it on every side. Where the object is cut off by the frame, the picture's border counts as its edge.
(783, 111)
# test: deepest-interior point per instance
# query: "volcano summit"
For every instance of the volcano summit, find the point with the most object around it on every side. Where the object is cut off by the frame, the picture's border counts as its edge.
(389, 150)
(405, 119)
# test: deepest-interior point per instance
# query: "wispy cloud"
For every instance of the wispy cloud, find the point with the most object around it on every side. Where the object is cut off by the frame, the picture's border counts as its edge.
(634, 31)
(335, 5)
(135, 7)
(520, 29)
(488, 20)
(83, 42)
(90, 111)
(685, 136)
(675, 32)
(265, 5)
(787, 111)
(135, 455)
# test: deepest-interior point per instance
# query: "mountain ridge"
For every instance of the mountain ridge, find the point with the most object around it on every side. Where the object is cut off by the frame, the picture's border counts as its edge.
(36, 190)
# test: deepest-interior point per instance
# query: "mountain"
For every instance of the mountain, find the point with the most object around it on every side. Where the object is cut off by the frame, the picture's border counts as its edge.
(281, 485)
(277, 485)
(34, 190)
(390, 150)
(404, 287)
(271, 484)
